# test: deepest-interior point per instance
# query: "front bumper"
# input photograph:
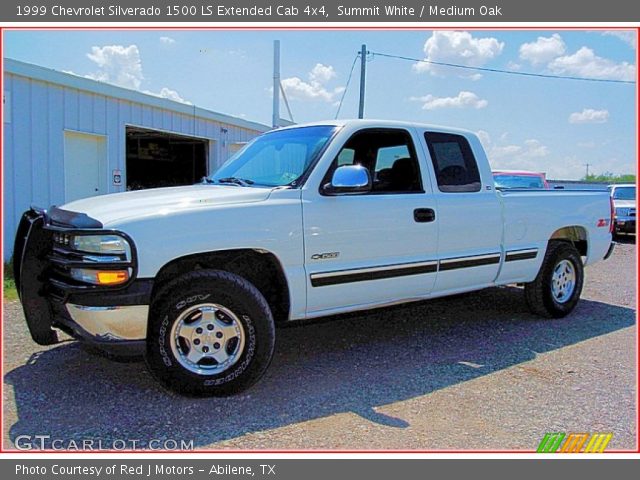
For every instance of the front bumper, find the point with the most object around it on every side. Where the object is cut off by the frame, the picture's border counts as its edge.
(111, 323)
(117, 329)
(111, 318)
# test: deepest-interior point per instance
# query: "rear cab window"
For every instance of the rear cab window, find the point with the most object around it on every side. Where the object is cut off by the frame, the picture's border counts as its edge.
(454, 164)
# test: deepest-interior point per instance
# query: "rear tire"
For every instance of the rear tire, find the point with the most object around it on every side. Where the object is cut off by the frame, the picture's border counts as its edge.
(556, 290)
(210, 333)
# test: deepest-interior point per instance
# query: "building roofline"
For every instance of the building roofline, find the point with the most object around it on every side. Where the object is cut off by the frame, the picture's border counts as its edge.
(49, 75)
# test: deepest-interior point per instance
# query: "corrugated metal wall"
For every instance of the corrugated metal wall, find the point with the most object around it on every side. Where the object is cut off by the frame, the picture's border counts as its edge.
(37, 116)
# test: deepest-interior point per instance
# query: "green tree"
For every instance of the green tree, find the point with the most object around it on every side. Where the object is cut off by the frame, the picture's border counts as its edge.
(608, 177)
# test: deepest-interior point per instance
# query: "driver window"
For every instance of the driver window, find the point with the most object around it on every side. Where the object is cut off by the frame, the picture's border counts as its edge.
(389, 156)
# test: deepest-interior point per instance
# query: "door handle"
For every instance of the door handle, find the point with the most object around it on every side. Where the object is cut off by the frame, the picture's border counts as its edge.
(424, 215)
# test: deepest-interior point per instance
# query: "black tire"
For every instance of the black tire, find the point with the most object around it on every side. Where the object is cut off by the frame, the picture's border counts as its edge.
(200, 288)
(538, 293)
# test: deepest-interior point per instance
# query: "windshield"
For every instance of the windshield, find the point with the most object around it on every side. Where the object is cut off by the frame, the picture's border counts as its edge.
(276, 158)
(518, 181)
(624, 193)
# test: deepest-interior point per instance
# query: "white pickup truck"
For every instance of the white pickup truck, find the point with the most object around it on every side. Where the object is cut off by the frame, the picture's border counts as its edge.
(303, 222)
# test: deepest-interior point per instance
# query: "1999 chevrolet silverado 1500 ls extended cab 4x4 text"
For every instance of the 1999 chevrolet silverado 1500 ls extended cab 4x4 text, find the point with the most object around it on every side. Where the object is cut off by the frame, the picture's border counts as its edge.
(303, 222)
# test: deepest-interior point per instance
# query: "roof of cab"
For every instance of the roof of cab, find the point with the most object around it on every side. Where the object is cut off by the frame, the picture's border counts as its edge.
(375, 123)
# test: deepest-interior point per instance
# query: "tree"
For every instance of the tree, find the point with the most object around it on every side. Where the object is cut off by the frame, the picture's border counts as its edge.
(608, 177)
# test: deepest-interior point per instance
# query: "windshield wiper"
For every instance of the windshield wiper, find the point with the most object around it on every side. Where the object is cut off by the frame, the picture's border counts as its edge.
(236, 181)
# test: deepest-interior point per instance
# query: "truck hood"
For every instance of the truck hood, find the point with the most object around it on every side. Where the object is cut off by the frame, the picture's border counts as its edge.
(624, 203)
(119, 207)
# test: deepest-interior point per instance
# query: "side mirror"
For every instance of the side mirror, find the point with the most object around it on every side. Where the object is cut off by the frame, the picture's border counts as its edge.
(349, 179)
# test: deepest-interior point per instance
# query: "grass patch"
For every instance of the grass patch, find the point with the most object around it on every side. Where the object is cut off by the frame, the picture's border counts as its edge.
(9, 291)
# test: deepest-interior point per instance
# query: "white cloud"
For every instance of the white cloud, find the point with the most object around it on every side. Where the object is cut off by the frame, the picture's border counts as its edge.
(589, 115)
(459, 48)
(551, 53)
(485, 138)
(321, 73)
(238, 52)
(117, 64)
(462, 100)
(167, 40)
(531, 154)
(530, 149)
(543, 50)
(315, 88)
(586, 63)
(626, 36)
(168, 94)
(122, 66)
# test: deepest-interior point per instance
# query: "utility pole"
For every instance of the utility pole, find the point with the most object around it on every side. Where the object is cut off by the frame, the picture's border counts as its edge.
(275, 121)
(363, 77)
(587, 165)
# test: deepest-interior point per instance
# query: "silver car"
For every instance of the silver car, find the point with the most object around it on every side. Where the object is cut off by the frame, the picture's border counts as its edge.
(624, 202)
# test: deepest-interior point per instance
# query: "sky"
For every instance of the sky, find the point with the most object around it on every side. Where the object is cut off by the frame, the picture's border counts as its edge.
(552, 125)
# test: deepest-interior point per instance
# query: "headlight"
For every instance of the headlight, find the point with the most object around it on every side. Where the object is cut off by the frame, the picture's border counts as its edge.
(106, 244)
(623, 212)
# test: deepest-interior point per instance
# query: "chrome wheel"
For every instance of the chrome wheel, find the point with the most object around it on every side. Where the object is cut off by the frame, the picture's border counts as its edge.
(563, 281)
(207, 339)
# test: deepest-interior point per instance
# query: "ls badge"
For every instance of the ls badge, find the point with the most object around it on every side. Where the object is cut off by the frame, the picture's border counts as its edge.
(324, 256)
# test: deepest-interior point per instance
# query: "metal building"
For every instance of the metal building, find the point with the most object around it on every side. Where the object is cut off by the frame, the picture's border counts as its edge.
(68, 137)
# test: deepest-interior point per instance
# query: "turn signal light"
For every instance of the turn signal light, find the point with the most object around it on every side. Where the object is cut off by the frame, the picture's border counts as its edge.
(112, 277)
(100, 277)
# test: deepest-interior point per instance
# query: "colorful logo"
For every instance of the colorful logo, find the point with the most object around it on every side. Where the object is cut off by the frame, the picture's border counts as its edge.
(560, 442)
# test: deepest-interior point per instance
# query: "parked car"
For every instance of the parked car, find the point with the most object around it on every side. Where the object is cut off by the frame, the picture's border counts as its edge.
(519, 179)
(624, 203)
(304, 222)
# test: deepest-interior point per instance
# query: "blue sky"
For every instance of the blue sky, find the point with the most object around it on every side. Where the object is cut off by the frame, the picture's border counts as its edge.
(550, 125)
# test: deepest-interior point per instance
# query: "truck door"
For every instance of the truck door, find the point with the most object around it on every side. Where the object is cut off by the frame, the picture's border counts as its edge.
(377, 246)
(469, 213)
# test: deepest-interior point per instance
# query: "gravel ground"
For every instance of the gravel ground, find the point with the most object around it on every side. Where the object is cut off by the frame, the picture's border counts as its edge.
(475, 371)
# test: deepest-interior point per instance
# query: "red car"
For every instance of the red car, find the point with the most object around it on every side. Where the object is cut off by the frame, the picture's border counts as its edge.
(520, 179)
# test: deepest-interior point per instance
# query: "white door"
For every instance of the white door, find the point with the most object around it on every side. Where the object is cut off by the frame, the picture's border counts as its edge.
(376, 247)
(85, 157)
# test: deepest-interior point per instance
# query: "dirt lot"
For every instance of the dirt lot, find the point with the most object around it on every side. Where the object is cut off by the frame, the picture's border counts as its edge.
(474, 371)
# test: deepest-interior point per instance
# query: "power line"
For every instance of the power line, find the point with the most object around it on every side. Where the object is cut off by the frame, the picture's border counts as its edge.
(344, 92)
(508, 72)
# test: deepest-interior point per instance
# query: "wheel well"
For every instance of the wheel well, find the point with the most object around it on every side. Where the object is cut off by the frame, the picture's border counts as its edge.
(576, 235)
(260, 268)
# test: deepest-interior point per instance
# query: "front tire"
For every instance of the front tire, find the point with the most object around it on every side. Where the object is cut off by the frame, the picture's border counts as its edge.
(210, 333)
(556, 290)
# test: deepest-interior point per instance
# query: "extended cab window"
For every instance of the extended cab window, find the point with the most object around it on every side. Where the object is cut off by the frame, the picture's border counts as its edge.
(453, 161)
(388, 154)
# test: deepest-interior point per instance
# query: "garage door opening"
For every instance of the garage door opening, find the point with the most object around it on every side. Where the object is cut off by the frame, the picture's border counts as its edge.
(160, 159)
